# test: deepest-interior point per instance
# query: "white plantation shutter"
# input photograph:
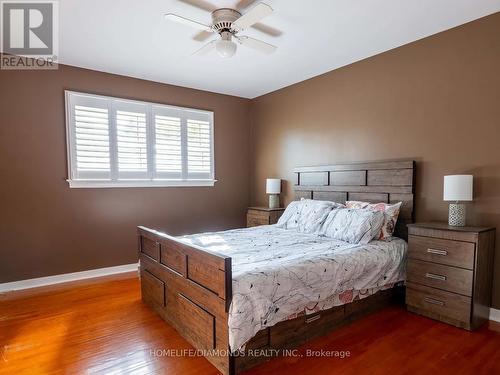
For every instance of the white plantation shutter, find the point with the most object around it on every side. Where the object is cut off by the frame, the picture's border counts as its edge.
(90, 138)
(168, 142)
(131, 140)
(118, 142)
(199, 145)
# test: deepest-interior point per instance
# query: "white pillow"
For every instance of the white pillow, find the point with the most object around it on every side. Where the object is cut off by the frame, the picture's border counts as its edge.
(306, 215)
(314, 214)
(353, 226)
(290, 218)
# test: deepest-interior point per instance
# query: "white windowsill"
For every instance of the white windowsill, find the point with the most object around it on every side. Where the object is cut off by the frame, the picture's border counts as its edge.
(137, 183)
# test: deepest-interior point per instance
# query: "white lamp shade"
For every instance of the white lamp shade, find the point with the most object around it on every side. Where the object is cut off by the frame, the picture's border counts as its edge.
(273, 186)
(458, 187)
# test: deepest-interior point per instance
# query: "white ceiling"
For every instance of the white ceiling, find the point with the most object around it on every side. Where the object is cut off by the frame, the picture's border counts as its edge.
(131, 37)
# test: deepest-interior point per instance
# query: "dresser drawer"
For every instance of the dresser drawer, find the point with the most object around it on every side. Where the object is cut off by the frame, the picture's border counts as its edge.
(437, 250)
(452, 279)
(258, 214)
(263, 216)
(438, 303)
(253, 220)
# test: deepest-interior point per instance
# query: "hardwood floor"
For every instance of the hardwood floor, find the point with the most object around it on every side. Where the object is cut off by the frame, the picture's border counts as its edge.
(102, 327)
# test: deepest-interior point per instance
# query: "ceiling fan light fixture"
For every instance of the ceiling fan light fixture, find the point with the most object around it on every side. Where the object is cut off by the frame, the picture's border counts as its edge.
(225, 48)
(227, 23)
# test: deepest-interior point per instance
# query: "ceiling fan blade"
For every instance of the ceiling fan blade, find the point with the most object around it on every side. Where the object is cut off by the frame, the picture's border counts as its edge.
(243, 4)
(253, 16)
(206, 48)
(187, 21)
(256, 44)
(202, 36)
(271, 31)
(201, 4)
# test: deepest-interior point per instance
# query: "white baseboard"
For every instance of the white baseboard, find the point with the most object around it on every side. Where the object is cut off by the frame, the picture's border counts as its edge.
(64, 278)
(494, 314)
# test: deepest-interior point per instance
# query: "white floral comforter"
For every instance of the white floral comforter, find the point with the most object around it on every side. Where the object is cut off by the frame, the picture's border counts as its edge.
(279, 273)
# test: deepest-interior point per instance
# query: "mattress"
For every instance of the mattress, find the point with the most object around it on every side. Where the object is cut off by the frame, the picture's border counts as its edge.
(279, 273)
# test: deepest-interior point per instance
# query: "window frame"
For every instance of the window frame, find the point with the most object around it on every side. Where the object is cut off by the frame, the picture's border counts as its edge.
(75, 179)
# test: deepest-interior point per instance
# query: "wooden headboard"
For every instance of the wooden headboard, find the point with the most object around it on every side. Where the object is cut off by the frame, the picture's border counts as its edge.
(388, 181)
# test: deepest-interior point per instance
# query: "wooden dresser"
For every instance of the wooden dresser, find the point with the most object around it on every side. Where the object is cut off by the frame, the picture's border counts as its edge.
(263, 216)
(450, 272)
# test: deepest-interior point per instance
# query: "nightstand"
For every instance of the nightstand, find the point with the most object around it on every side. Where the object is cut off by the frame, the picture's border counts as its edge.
(263, 216)
(450, 272)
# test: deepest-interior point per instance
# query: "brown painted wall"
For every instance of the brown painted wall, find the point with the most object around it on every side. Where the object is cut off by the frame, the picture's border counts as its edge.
(436, 100)
(47, 228)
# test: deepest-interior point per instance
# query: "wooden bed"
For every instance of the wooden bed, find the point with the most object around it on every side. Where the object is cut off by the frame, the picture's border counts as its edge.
(190, 288)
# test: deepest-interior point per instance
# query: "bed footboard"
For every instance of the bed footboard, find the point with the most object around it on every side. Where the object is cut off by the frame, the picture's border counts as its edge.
(190, 288)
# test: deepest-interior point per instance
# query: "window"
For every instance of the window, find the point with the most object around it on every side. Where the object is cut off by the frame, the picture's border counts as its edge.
(115, 142)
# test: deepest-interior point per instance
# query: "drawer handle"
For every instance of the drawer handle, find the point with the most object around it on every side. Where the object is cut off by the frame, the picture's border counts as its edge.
(435, 277)
(434, 301)
(437, 252)
(312, 318)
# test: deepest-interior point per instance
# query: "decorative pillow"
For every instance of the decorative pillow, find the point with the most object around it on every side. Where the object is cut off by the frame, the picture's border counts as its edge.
(306, 215)
(353, 226)
(391, 213)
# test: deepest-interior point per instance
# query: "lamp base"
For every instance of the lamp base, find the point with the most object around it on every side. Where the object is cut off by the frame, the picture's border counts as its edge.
(456, 216)
(274, 200)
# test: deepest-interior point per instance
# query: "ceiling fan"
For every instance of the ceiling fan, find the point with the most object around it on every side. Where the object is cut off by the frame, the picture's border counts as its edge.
(228, 23)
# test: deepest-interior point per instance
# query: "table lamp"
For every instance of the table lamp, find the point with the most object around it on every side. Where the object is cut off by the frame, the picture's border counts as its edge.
(273, 188)
(457, 188)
